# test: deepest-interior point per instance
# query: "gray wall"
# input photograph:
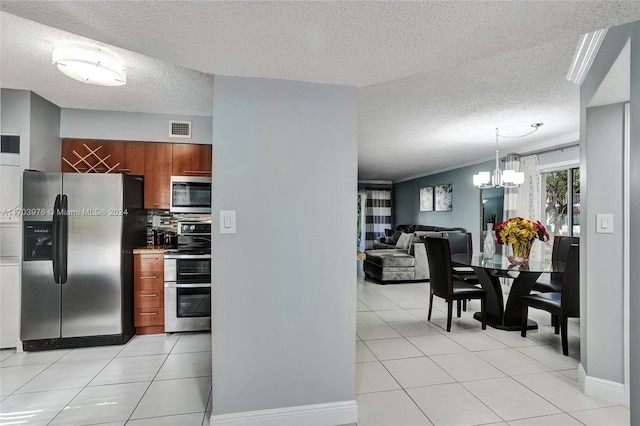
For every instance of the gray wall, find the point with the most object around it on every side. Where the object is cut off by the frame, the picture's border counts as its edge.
(37, 121)
(466, 201)
(284, 298)
(634, 232)
(136, 126)
(15, 118)
(44, 149)
(604, 263)
(602, 356)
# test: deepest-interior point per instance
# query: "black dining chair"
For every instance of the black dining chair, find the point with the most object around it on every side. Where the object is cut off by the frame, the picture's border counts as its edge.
(564, 304)
(552, 282)
(444, 285)
(461, 243)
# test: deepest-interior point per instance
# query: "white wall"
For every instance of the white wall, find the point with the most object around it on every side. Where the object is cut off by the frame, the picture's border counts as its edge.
(634, 231)
(132, 126)
(284, 293)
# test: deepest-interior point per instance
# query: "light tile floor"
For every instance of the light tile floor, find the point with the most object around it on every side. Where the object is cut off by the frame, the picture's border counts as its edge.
(410, 371)
(152, 380)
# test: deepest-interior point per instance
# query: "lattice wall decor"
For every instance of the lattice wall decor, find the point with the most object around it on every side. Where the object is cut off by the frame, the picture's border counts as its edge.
(92, 160)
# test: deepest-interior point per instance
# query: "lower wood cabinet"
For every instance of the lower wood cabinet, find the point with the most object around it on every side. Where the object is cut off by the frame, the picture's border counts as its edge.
(148, 270)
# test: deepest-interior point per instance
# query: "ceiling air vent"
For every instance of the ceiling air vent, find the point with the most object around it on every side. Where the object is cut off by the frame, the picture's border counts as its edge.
(179, 129)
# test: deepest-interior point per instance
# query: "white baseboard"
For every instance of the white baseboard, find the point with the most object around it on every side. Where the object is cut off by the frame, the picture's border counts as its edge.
(333, 413)
(600, 388)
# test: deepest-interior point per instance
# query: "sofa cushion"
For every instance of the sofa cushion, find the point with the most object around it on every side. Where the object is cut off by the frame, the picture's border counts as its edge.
(404, 241)
(390, 258)
(393, 239)
(377, 245)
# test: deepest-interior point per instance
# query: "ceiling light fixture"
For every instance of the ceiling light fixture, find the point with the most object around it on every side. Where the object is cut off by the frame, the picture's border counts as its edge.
(500, 179)
(89, 64)
(586, 51)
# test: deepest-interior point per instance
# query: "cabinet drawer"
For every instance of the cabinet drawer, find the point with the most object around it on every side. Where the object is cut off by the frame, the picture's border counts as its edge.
(148, 262)
(149, 299)
(149, 281)
(149, 316)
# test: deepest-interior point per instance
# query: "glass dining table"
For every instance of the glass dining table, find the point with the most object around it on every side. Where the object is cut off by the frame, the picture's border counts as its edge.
(501, 315)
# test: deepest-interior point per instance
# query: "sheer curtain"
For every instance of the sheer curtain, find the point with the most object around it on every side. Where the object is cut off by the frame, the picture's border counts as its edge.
(377, 214)
(525, 200)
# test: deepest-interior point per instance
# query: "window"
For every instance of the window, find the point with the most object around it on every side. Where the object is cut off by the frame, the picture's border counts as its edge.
(561, 201)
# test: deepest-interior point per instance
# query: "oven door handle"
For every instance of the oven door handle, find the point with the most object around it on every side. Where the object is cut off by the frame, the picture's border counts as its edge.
(176, 285)
(187, 256)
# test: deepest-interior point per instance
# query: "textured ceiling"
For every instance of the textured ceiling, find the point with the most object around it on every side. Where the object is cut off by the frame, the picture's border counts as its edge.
(433, 78)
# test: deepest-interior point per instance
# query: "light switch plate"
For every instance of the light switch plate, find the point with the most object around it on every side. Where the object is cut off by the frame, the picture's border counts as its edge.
(227, 221)
(604, 224)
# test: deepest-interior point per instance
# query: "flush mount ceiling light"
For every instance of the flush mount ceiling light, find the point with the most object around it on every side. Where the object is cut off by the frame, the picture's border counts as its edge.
(586, 51)
(89, 64)
(500, 179)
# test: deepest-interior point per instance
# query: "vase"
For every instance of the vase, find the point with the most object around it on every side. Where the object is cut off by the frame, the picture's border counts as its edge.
(520, 253)
(489, 243)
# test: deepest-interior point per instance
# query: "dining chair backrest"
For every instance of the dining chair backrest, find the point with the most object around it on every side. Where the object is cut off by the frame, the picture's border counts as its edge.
(440, 268)
(561, 246)
(571, 282)
(460, 242)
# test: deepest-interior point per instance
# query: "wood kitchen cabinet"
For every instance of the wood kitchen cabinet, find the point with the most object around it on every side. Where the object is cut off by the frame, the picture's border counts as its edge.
(157, 175)
(148, 284)
(98, 156)
(191, 159)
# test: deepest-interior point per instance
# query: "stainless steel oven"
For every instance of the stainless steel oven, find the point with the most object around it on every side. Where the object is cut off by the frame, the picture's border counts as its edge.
(190, 194)
(187, 292)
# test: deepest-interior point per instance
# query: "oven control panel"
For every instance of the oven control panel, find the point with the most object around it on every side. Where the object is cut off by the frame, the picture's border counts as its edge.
(194, 228)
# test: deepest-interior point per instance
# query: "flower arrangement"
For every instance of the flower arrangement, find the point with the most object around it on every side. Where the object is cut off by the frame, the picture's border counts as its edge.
(520, 233)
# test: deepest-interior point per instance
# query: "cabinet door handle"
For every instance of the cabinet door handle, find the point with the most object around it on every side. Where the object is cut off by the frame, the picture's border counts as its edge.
(149, 295)
(146, 314)
(148, 278)
(208, 172)
(160, 204)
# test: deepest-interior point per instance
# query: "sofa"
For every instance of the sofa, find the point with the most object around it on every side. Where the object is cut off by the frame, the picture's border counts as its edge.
(406, 261)
(391, 235)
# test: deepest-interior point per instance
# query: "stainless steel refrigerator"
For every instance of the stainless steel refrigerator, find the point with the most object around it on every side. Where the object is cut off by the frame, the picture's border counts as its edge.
(79, 231)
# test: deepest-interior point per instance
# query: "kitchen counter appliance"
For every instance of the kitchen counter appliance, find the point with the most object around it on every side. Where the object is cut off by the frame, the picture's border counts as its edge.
(79, 232)
(187, 275)
(190, 194)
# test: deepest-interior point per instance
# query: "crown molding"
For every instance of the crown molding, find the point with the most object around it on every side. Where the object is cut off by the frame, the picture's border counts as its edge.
(587, 49)
(524, 149)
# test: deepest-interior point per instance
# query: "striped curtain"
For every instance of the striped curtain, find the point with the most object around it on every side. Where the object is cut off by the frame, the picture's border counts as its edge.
(377, 214)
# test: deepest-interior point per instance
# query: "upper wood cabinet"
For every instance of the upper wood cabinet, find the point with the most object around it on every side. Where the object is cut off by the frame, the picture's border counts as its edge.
(191, 160)
(157, 175)
(98, 156)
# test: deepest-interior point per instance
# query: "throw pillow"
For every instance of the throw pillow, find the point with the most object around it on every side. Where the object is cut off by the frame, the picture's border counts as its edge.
(394, 238)
(404, 241)
(388, 232)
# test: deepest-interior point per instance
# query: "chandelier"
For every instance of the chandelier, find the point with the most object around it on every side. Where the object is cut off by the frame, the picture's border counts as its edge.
(89, 64)
(499, 178)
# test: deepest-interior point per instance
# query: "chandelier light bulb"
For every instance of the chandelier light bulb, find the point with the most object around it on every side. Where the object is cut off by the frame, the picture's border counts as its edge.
(499, 178)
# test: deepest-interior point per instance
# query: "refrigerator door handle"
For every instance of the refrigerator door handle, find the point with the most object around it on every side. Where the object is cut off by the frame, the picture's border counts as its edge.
(55, 239)
(64, 239)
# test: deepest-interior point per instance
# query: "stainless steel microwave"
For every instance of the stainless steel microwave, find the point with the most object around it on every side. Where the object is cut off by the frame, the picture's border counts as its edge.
(190, 194)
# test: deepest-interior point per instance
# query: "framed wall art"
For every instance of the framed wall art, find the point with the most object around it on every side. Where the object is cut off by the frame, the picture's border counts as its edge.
(444, 198)
(426, 199)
